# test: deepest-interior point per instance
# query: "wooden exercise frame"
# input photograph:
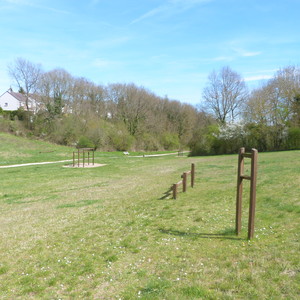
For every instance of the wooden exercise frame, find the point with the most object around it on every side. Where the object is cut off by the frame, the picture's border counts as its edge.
(253, 156)
(83, 151)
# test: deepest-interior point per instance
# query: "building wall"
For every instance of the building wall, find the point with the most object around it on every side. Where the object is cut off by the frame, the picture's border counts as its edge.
(8, 102)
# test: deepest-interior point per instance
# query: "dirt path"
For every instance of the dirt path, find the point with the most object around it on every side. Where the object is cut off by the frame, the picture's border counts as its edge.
(33, 164)
(61, 161)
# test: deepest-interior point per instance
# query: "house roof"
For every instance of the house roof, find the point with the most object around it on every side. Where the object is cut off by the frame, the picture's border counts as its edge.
(18, 96)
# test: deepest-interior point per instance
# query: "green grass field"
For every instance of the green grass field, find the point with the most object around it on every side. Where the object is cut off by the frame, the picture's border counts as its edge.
(111, 233)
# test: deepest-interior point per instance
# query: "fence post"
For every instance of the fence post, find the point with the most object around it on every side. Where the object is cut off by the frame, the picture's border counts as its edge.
(238, 221)
(193, 175)
(252, 193)
(78, 158)
(174, 190)
(184, 182)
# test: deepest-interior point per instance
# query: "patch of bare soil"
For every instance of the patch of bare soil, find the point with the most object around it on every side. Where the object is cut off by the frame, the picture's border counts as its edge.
(85, 165)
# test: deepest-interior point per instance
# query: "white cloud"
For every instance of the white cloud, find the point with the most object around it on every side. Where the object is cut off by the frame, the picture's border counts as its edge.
(258, 77)
(36, 5)
(251, 53)
(103, 63)
(170, 8)
(222, 58)
(245, 53)
(114, 41)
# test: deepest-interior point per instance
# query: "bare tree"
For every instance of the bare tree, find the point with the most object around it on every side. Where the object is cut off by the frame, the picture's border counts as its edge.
(55, 88)
(26, 74)
(225, 93)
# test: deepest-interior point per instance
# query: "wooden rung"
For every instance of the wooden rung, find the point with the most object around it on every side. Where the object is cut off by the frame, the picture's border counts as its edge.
(249, 155)
(246, 177)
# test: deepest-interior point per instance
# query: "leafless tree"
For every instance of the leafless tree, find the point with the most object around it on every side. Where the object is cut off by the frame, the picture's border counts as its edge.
(224, 94)
(26, 74)
(55, 89)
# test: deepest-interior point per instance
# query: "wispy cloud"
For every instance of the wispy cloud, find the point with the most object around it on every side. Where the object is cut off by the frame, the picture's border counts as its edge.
(223, 58)
(104, 63)
(111, 42)
(258, 77)
(170, 8)
(245, 53)
(36, 5)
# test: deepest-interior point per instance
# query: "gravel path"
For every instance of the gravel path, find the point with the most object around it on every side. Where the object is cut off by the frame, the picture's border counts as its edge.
(61, 161)
(33, 164)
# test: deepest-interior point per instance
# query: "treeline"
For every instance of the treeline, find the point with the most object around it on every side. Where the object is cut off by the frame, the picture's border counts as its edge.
(267, 118)
(77, 112)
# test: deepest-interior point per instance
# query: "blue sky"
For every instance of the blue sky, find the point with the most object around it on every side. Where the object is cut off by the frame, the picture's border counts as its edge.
(167, 46)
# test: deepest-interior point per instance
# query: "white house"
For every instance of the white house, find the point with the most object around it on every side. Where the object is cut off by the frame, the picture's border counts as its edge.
(12, 101)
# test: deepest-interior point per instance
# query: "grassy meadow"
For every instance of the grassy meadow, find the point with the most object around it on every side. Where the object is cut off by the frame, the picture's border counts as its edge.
(113, 232)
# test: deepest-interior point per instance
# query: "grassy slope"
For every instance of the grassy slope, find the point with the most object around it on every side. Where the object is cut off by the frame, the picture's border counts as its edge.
(105, 233)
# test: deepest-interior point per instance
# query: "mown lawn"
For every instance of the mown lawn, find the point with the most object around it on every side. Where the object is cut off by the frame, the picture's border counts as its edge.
(110, 232)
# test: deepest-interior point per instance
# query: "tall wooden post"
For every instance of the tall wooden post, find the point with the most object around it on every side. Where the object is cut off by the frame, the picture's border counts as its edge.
(78, 158)
(253, 155)
(252, 194)
(83, 152)
(238, 216)
(193, 175)
(184, 182)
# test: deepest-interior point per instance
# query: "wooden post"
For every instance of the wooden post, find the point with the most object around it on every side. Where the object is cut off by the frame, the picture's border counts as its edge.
(89, 157)
(83, 152)
(253, 156)
(174, 190)
(193, 175)
(184, 182)
(238, 218)
(78, 158)
(252, 194)
(73, 159)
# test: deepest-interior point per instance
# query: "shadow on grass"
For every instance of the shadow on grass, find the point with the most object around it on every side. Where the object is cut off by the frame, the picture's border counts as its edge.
(226, 235)
(168, 194)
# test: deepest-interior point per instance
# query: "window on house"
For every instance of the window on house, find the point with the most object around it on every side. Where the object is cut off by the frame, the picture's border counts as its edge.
(5, 104)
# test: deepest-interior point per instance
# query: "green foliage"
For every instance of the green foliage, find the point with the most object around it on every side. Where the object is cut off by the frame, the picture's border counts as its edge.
(85, 142)
(170, 141)
(293, 140)
(119, 138)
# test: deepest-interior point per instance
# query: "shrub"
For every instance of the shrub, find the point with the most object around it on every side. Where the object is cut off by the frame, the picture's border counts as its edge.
(85, 142)
(170, 141)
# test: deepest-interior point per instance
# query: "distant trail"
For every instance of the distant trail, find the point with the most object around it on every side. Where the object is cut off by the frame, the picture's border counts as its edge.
(60, 161)
(33, 164)
(155, 155)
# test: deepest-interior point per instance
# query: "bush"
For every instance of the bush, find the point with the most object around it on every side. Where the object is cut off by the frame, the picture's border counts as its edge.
(120, 139)
(85, 142)
(293, 139)
(170, 141)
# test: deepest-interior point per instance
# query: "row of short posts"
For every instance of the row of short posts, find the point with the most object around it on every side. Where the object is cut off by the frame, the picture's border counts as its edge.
(184, 180)
(83, 151)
